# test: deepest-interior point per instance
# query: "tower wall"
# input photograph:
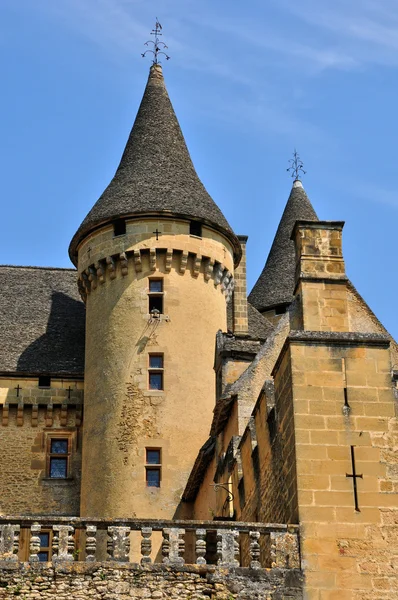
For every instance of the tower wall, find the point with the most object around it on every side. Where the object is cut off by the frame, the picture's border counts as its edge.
(122, 416)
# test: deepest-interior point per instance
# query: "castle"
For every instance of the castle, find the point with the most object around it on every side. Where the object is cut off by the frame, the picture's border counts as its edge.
(144, 387)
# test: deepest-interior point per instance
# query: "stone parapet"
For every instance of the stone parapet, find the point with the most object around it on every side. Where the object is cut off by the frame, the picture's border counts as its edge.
(183, 542)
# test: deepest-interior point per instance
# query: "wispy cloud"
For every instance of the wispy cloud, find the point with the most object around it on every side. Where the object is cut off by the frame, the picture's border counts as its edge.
(374, 193)
(366, 30)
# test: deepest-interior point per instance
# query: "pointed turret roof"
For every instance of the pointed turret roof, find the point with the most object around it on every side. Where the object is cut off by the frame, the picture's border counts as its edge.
(275, 285)
(155, 175)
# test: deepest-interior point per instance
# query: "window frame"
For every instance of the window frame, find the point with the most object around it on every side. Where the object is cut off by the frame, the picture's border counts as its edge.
(48, 549)
(49, 455)
(153, 466)
(155, 371)
(155, 295)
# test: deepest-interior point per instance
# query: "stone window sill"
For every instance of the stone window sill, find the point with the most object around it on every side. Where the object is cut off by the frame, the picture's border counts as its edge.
(62, 480)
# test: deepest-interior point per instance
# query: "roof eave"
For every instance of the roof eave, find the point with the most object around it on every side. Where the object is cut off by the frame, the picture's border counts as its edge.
(82, 233)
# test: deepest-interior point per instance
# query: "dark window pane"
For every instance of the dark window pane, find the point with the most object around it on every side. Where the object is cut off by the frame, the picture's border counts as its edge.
(156, 285)
(44, 540)
(153, 477)
(156, 303)
(155, 381)
(119, 227)
(153, 457)
(58, 467)
(195, 228)
(44, 381)
(59, 447)
(156, 361)
(43, 556)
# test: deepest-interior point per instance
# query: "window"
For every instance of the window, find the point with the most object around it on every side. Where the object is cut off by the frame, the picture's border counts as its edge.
(195, 228)
(155, 296)
(280, 310)
(45, 552)
(58, 457)
(119, 227)
(155, 371)
(44, 381)
(272, 427)
(241, 491)
(153, 467)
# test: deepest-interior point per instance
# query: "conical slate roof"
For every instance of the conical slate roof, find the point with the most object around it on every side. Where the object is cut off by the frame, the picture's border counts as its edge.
(155, 175)
(276, 283)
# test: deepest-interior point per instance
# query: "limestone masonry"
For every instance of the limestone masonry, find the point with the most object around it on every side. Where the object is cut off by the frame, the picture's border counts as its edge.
(162, 435)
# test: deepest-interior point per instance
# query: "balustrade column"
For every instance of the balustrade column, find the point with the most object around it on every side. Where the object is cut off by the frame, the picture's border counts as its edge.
(200, 546)
(254, 550)
(91, 542)
(146, 545)
(34, 546)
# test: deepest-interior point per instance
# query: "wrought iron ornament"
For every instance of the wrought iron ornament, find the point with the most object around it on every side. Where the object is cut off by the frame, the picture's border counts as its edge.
(296, 166)
(354, 477)
(158, 46)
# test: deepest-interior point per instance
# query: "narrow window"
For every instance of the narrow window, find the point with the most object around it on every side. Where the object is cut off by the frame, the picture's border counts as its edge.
(155, 296)
(44, 555)
(44, 381)
(119, 227)
(241, 491)
(272, 427)
(155, 371)
(58, 458)
(195, 228)
(153, 467)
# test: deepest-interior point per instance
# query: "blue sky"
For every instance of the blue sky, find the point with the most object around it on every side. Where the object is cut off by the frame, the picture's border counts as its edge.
(249, 82)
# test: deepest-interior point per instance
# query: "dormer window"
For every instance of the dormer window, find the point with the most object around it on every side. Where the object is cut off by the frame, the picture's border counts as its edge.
(119, 227)
(195, 228)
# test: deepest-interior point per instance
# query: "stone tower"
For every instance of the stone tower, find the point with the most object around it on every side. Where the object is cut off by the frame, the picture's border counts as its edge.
(155, 259)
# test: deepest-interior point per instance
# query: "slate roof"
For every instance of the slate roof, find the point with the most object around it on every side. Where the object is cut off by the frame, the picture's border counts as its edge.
(276, 283)
(155, 175)
(259, 326)
(42, 322)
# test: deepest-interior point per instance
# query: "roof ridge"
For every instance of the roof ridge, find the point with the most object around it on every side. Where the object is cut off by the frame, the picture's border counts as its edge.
(38, 267)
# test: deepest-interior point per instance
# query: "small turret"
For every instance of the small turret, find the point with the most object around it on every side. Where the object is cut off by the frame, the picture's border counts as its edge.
(274, 289)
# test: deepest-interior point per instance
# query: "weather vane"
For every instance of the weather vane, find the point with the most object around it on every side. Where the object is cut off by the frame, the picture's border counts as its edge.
(158, 46)
(296, 166)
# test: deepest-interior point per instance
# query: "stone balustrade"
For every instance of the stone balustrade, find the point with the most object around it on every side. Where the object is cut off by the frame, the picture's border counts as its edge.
(222, 543)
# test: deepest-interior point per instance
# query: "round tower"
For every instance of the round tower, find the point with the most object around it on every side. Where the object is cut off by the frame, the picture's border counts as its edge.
(155, 259)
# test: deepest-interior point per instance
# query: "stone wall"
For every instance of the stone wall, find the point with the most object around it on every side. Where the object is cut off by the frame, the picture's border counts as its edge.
(27, 422)
(79, 581)
(123, 415)
(265, 477)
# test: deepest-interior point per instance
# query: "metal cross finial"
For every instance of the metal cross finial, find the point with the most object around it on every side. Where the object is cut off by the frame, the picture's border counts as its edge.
(158, 46)
(296, 166)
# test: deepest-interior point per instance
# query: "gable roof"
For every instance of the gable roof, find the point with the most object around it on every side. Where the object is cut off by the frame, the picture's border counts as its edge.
(42, 322)
(276, 283)
(155, 175)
